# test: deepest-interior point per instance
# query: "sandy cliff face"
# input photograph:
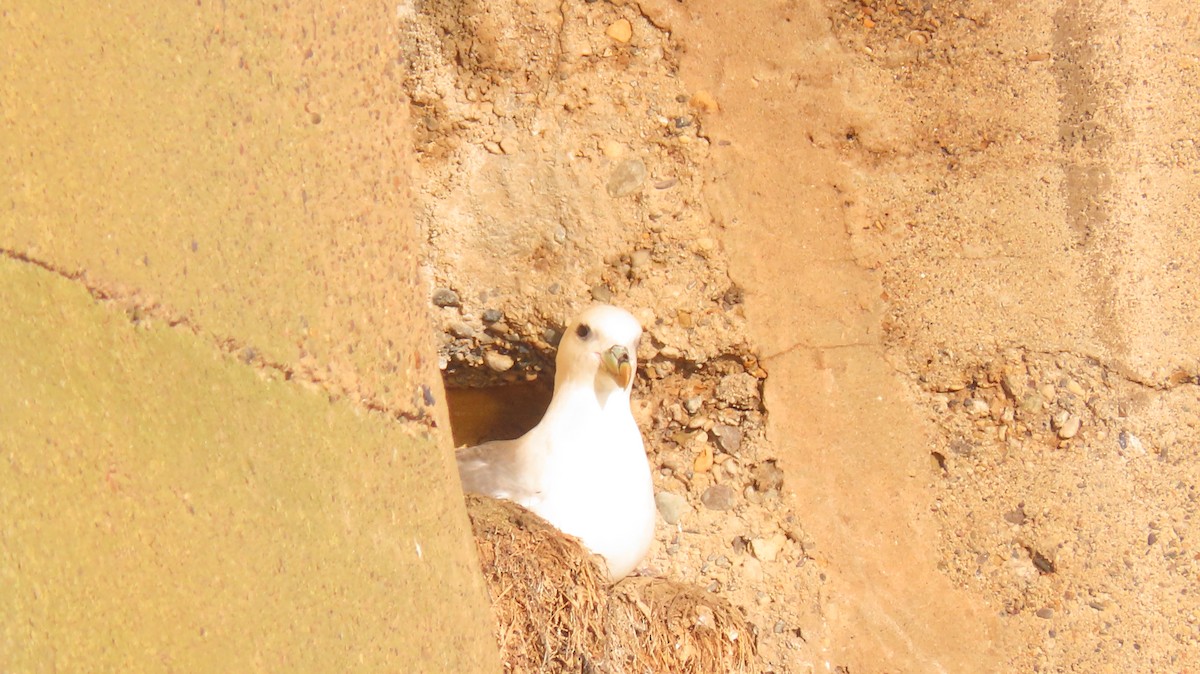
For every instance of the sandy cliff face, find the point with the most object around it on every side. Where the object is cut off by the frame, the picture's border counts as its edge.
(920, 377)
(223, 427)
(953, 244)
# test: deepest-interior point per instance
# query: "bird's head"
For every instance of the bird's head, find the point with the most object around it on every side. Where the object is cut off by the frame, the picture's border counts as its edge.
(599, 347)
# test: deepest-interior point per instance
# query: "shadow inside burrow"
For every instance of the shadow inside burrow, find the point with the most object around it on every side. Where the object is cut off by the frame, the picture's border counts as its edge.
(503, 411)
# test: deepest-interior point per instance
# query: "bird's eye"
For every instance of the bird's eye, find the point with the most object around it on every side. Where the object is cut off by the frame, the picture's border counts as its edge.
(583, 331)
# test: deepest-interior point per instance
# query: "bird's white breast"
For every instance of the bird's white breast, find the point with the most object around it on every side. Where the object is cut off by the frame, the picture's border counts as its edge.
(596, 486)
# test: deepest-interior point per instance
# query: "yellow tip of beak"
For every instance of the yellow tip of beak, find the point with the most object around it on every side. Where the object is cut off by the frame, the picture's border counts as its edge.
(616, 360)
(624, 374)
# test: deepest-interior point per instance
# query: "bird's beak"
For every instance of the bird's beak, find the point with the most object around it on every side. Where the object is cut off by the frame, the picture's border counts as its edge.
(616, 361)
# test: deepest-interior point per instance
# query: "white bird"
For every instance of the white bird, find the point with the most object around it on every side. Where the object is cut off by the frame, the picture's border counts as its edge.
(583, 468)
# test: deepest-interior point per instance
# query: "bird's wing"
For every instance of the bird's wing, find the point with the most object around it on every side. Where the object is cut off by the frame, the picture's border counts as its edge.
(495, 469)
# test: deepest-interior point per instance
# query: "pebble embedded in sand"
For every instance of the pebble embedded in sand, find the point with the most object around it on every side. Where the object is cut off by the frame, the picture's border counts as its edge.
(620, 30)
(671, 506)
(976, 407)
(729, 438)
(626, 178)
(1013, 385)
(717, 497)
(461, 330)
(1070, 428)
(1130, 445)
(601, 293)
(767, 549)
(1031, 403)
(498, 362)
(767, 476)
(445, 297)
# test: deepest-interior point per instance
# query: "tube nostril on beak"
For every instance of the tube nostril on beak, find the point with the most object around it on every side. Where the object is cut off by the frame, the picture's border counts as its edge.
(620, 364)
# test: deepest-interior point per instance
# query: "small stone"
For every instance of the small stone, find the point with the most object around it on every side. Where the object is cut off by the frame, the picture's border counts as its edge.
(718, 497)
(1013, 386)
(508, 145)
(671, 506)
(1074, 387)
(1070, 428)
(1045, 613)
(461, 330)
(1015, 516)
(620, 30)
(1130, 444)
(445, 297)
(693, 404)
(733, 296)
(1031, 403)
(767, 476)
(767, 549)
(640, 258)
(498, 362)
(685, 320)
(492, 315)
(705, 244)
(626, 178)
(492, 147)
(729, 438)
(730, 467)
(976, 407)
(704, 460)
(704, 101)
(739, 390)
(602, 294)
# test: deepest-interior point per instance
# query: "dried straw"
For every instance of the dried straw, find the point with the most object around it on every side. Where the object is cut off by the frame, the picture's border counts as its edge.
(556, 612)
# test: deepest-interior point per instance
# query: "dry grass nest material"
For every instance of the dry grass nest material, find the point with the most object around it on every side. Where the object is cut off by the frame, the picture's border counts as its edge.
(555, 610)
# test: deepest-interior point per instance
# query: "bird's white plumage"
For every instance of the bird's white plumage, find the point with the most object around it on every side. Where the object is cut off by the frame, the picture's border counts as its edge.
(583, 468)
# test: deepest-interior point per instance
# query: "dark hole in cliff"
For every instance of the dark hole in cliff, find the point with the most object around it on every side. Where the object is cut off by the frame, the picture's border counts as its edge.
(499, 412)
